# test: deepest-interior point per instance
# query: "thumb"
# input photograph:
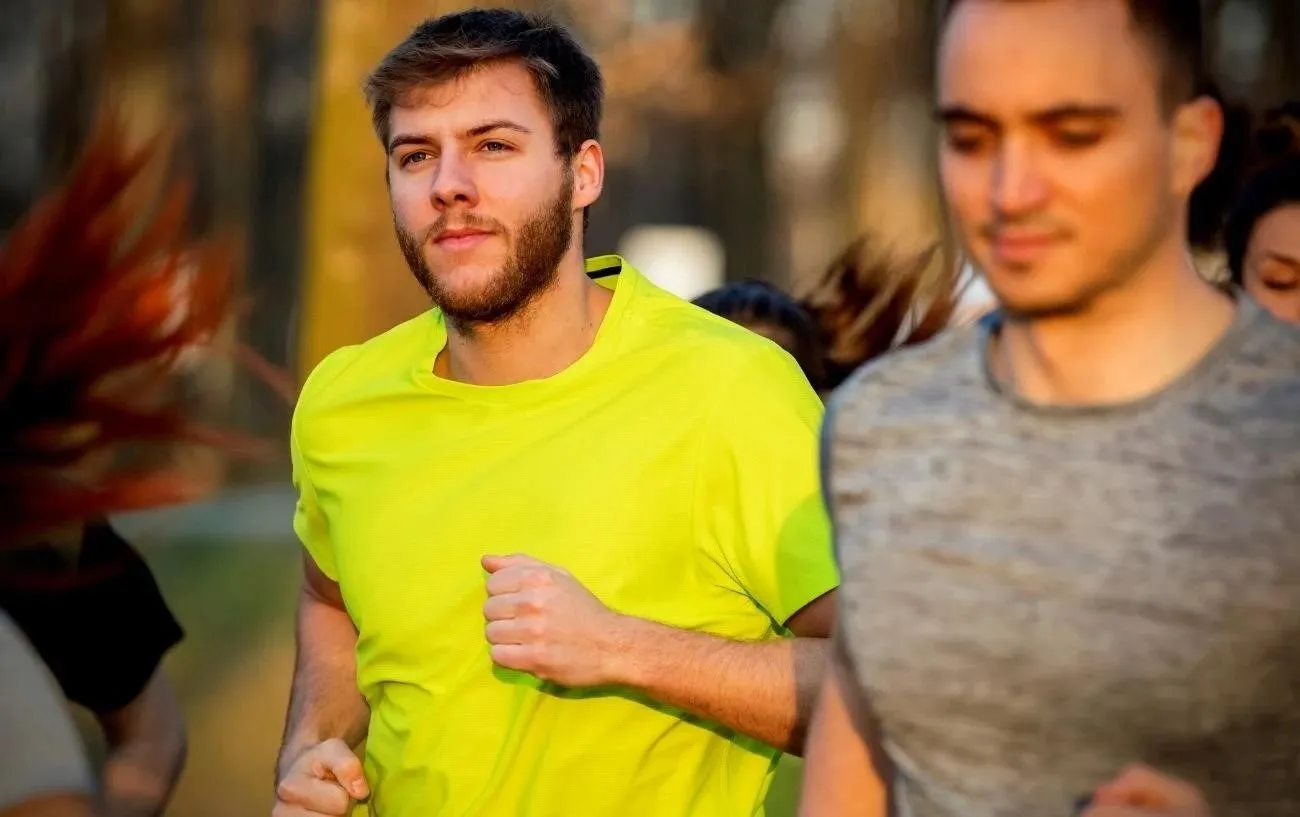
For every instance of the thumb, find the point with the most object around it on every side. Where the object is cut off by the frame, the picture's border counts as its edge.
(337, 761)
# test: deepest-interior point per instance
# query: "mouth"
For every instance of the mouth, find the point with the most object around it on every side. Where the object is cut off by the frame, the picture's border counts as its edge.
(1021, 248)
(460, 239)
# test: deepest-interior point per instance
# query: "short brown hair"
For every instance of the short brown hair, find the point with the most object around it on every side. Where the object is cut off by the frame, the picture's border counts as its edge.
(443, 48)
(1175, 30)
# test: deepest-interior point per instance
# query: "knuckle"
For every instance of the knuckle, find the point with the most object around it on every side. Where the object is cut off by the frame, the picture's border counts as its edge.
(540, 578)
(287, 791)
(533, 603)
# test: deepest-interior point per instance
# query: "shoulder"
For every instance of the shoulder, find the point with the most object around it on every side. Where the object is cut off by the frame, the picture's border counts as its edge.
(1270, 349)
(1262, 382)
(699, 342)
(910, 379)
(350, 370)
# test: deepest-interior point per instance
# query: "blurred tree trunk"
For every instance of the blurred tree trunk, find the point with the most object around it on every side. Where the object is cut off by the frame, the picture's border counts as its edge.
(729, 150)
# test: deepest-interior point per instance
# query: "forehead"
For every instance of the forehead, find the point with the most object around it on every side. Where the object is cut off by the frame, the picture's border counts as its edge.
(1279, 232)
(1006, 57)
(492, 91)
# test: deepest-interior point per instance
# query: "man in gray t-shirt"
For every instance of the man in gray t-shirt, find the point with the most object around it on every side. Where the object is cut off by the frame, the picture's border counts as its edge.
(1070, 537)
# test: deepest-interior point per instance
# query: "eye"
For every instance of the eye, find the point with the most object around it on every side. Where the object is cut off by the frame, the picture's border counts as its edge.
(966, 141)
(1279, 285)
(494, 146)
(414, 157)
(1077, 139)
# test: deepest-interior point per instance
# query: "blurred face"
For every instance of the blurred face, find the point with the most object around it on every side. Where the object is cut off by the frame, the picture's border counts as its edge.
(1272, 267)
(1062, 173)
(483, 206)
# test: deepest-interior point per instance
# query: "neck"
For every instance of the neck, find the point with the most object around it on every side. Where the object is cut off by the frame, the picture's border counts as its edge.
(1126, 345)
(547, 336)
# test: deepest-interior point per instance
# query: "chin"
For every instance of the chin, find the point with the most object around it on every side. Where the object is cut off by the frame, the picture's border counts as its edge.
(1032, 297)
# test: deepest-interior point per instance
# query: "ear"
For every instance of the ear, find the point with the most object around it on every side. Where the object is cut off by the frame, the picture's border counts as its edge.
(1197, 134)
(588, 174)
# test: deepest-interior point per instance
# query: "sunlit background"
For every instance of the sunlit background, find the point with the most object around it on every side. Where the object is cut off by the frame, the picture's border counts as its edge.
(745, 138)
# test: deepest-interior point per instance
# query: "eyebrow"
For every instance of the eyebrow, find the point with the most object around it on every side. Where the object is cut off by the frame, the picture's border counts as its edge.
(962, 115)
(478, 130)
(1283, 259)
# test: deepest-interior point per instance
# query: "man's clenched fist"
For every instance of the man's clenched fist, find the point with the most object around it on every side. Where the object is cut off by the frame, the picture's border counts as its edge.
(324, 781)
(541, 620)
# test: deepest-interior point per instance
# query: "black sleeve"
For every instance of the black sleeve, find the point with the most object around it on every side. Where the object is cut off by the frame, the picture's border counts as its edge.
(101, 624)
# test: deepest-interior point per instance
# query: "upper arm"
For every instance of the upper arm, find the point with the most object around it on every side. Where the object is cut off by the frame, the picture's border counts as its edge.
(319, 587)
(758, 492)
(816, 619)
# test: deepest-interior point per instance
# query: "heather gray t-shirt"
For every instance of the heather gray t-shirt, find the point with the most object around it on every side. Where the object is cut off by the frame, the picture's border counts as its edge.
(1034, 598)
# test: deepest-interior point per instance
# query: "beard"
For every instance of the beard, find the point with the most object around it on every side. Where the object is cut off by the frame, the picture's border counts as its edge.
(530, 269)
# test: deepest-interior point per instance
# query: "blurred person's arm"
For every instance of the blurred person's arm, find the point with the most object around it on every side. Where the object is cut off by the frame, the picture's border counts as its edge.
(90, 606)
(43, 767)
(841, 777)
(146, 740)
(324, 704)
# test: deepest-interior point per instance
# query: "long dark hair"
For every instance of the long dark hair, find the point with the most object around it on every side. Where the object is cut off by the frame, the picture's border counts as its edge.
(97, 303)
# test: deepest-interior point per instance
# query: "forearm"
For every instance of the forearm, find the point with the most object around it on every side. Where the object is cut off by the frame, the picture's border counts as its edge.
(840, 776)
(764, 689)
(146, 752)
(324, 702)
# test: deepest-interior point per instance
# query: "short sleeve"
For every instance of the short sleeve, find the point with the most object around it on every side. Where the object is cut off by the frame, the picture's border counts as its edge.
(309, 522)
(758, 497)
(101, 625)
(33, 716)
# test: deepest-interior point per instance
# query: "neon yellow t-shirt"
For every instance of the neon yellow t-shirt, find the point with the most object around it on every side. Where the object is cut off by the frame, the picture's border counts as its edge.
(672, 469)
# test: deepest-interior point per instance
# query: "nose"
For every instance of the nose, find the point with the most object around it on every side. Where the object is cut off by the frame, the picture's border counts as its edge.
(1018, 186)
(453, 183)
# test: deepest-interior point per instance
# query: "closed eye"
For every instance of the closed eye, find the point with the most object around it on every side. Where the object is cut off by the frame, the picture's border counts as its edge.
(1077, 139)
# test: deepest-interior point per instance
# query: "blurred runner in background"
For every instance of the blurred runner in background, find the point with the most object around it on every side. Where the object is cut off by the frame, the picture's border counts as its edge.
(1068, 535)
(87, 348)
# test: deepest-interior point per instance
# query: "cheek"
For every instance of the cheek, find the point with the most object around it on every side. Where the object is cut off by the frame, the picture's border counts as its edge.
(410, 200)
(966, 187)
(1114, 197)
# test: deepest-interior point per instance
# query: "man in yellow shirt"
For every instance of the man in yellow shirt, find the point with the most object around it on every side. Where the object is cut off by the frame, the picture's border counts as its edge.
(567, 553)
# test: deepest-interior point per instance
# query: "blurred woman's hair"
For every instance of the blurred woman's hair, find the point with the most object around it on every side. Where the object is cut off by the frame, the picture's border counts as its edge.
(1277, 137)
(99, 297)
(1272, 186)
(754, 303)
(871, 300)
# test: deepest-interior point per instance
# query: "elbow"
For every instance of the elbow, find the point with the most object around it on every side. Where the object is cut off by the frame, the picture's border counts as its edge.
(812, 663)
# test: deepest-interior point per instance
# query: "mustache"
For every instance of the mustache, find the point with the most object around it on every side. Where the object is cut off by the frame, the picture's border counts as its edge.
(466, 221)
(993, 228)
